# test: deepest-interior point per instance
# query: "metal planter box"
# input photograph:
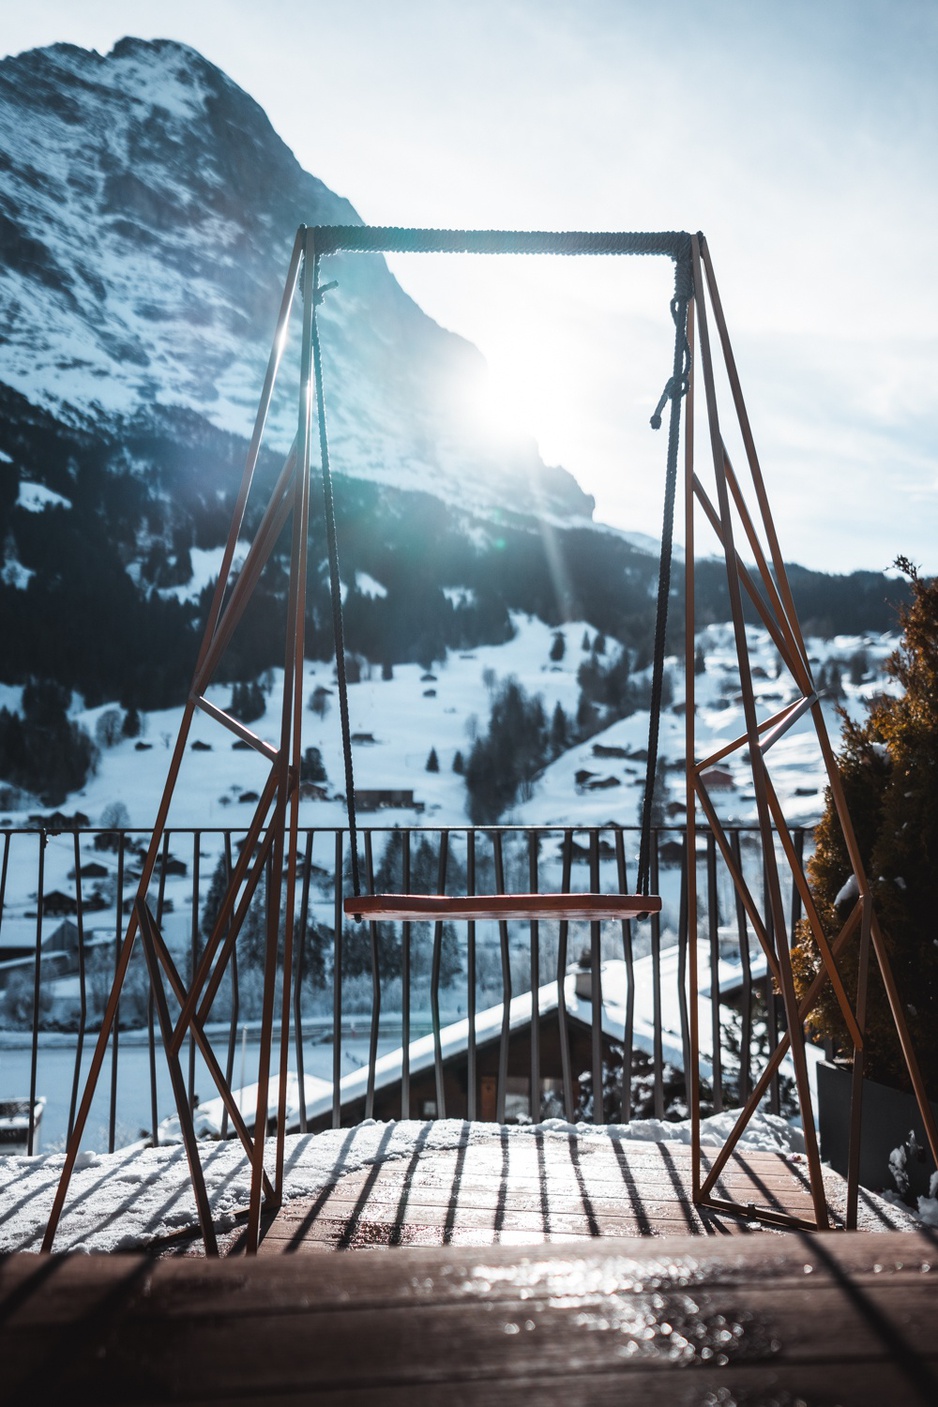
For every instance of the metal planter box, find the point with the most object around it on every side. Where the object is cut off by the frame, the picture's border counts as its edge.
(889, 1115)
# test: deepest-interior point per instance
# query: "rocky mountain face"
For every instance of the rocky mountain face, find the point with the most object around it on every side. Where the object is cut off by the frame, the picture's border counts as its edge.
(147, 211)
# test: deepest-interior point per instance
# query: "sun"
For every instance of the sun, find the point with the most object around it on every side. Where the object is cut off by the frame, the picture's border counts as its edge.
(500, 403)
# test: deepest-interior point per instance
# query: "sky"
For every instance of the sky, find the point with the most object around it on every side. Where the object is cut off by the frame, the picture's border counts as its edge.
(801, 138)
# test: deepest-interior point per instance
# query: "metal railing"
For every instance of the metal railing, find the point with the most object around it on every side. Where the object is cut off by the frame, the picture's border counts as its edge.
(435, 994)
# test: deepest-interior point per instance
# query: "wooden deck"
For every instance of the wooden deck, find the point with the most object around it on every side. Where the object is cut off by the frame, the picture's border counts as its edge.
(764, 1319)
(518, 1192)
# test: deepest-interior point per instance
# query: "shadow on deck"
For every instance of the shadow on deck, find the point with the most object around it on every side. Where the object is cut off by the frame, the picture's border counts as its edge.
(504, 1190)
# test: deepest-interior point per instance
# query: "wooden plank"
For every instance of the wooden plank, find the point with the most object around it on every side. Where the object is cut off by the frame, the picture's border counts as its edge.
(458, 907)
(468, 1197)
(755, 1318)
(869, 1385)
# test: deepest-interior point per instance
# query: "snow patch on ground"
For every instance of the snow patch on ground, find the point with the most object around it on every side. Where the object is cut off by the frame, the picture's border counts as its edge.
(35, 498)
(139, 1195)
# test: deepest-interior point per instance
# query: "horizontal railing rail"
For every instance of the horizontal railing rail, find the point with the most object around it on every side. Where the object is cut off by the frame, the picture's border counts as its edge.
(490, 1019)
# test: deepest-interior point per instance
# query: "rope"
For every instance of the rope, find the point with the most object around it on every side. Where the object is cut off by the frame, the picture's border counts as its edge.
(335, 585)
(674, 391)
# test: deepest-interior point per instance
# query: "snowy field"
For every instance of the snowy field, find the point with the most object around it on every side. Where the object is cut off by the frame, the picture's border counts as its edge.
(140, 1195)
(399, 720)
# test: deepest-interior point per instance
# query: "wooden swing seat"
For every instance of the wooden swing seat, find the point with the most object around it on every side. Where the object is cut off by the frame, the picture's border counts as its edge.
(460, 907)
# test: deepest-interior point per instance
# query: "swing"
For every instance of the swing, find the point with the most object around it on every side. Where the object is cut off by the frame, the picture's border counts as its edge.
(589, 907)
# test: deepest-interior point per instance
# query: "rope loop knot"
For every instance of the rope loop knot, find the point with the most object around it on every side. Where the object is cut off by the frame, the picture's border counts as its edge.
(676, 387)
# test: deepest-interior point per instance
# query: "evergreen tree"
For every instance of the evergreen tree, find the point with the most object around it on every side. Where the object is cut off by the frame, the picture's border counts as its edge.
(132, 726)
(44, 752)
(512, 752)
(559, 729)
(558, 646)
(459, 765)
(433, 762)
(247, 701)
(312, 768)
(888, 767)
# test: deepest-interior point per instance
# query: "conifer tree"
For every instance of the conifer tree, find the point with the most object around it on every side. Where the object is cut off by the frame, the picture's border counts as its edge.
(888, 765)
(559, 731)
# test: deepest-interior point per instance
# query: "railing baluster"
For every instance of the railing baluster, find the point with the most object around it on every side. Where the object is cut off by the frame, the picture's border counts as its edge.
(194, 953)
(82, 989)
(535, 1091)
(3, 874)
(565, 1062)
(375, 985)
(625, 1098)
(796, 907)
(37, 977)
(658, 1080)
(772, 1003)
(683, 938)
(405, 982)
(337, 985)
(151, 1002)
(502, 1086)
(435, 983)
(235, 1002)
(471, 1065)
(115, 1028)
(713, 921)
(745, 1032)
(596, 990)
(298, 976)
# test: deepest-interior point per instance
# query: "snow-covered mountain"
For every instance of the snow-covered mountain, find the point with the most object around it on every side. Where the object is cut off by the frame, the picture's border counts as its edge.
(147, 210)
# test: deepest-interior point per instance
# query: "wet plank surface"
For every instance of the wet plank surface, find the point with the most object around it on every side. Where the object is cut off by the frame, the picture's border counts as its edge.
(519, 1192)
(823, 1319)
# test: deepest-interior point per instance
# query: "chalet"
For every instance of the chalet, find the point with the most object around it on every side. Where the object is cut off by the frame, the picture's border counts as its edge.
(58, 821)
(313, 791)
(603, 784)
(55, 904)
(610, 750)
(171, 865)
(717, 779)
(454, 1043)
(59, 951)
(581, 853)
(378, 798)
(665, 1043)
(363, 738)
(93, 870)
